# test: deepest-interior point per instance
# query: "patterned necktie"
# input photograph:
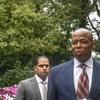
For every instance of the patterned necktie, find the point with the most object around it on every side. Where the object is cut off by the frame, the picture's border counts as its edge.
(44, 90)
(83, 84)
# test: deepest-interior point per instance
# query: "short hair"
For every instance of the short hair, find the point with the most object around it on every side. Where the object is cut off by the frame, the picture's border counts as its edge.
(38, 57)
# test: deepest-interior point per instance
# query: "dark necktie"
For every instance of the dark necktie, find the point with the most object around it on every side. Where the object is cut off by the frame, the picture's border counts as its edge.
(83, 84)
(44, 90)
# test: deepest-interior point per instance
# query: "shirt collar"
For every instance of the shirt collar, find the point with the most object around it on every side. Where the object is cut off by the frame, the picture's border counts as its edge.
(89, 62)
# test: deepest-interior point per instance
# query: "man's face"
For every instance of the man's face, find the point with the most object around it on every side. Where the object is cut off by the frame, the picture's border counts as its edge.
(42, 68)
(82, 46)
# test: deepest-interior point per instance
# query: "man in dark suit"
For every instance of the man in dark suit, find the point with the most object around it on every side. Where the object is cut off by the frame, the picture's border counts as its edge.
(32, 88)
(64, 80)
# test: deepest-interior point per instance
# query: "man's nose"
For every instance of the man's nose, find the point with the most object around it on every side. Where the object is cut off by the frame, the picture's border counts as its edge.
(78, 44)
(44, 67)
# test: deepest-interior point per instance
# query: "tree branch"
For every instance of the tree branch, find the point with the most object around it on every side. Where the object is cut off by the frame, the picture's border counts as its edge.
(97, 31)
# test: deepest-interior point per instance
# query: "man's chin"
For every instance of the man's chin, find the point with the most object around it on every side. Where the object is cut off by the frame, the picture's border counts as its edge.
(78, 53)
(81, 58)
(43, 76)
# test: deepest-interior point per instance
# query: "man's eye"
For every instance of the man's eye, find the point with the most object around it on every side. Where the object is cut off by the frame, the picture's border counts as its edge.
(74, 42)
(84, 42)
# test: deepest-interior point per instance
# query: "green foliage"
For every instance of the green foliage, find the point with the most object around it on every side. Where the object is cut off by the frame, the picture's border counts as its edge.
(19, 72)
(70, 13)
(97, 49)
(24, 34)
(27, 30)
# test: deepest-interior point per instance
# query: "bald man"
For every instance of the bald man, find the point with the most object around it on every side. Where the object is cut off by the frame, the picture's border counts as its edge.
(79, 78)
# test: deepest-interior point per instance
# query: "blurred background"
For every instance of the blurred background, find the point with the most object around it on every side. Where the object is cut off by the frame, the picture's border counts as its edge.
(34, 27)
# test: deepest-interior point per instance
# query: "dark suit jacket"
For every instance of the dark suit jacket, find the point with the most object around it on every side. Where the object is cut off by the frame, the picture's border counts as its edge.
(61, 82)
(28, 90)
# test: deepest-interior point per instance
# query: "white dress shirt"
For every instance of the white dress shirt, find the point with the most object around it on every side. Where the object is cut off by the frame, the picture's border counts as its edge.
(77, 71)
(39, 80)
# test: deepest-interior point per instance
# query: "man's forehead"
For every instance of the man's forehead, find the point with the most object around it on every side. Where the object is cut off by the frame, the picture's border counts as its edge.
(83, 32)
(43, 60)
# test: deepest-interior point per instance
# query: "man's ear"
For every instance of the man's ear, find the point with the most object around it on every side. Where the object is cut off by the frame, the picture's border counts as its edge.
(34, 68)
(94, 46)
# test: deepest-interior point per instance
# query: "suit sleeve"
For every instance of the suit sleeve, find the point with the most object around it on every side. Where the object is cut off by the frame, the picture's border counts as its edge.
(20, 94)
(52, 91)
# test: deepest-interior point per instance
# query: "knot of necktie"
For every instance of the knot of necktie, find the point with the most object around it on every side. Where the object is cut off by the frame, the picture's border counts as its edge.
(44, 85)
(43, 82)
(83, 66)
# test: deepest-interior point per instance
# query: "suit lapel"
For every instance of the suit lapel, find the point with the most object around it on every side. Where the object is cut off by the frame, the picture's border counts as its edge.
(69, 70)
(95, 86)
(36, 88)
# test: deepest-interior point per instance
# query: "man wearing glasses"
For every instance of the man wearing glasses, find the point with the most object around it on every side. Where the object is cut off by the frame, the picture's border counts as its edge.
(35, 88)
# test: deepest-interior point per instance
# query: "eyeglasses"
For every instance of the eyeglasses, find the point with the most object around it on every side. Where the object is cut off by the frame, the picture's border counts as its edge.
(42, 65)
